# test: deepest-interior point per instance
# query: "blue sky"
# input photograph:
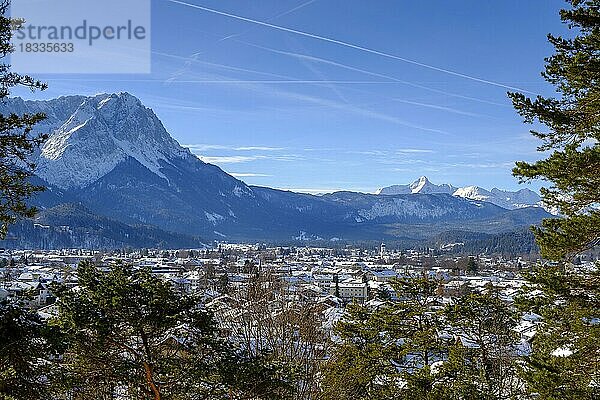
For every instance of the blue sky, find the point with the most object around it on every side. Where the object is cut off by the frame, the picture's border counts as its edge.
(281, 109)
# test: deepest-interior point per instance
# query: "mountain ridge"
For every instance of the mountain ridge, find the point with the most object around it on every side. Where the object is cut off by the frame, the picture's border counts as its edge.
(113, 155)
(511, 200)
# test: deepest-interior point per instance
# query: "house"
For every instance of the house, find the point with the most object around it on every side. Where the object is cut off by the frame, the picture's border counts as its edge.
(36, 292)
(455, 289)
(350, 290)
(384, 275)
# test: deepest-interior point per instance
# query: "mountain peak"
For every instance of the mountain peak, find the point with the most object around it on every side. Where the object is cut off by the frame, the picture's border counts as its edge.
(422, 185)
(473, 193)
(122, 98)
(503, 198)
(102, 131)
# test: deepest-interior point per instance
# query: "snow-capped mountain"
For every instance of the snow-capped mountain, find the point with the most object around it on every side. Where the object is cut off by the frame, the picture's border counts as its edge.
(473, 193)
(102, 132)
(421, 185)
(503, 198)
(112, 155)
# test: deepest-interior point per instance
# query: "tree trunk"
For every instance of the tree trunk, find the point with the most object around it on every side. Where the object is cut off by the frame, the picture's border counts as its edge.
(153, 387)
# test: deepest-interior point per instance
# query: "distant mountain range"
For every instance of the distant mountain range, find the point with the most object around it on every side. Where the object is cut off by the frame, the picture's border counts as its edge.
(506, 199)
(68, 226)
(421, 185)
(116, 178)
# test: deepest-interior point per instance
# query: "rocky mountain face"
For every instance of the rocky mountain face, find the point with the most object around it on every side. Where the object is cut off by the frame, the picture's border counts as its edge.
(115, 156)
(506, 199)
(421, 185)
(103, 132)
(112, 156)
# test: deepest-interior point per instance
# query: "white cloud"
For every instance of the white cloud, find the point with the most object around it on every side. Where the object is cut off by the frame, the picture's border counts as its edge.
(243, 159)
(386, 153)
(258, 148)
(248, 175)
(402, 151)
(207, 147)
(230, 159)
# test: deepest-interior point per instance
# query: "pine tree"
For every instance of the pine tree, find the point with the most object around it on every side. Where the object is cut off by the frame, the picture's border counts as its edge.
(16, 139)
(24, 339)
(483, 362)
(131, 335)
(573, 123)
(27, 347)
(565, 360)
(390, 352)
(417, 321)
(361, 367)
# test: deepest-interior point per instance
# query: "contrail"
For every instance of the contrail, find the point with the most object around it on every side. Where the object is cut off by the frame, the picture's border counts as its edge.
(351, 68)
(223, 66)
(194, 56)
(275, 17)
(294, 9)
(234, 81)
(352, 46)
(438, 107)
